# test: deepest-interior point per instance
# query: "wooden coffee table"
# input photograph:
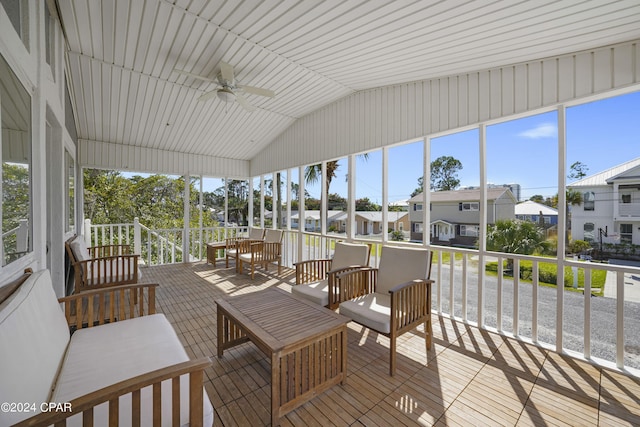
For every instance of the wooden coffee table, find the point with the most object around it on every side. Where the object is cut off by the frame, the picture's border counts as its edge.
(307, 343)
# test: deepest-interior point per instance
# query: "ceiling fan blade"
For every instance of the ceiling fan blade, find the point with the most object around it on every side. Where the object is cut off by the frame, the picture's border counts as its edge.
(195, 76)
(208, 95)
(226, 71)
(257, 91)
(244, 103)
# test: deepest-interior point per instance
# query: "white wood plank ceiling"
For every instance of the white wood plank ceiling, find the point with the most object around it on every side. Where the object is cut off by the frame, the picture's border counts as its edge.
(122, 55)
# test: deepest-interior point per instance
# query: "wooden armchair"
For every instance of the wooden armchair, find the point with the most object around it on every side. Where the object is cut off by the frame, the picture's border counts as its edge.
(316, 280)
(261, 253)
(101, 266)
(392, 299)
(231, 250)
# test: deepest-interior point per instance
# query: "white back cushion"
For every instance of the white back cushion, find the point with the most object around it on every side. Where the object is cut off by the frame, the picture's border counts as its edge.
(400, 265)
(348, 254)
(273, 236)
(79, 249)
(256, 233)
(33, 339)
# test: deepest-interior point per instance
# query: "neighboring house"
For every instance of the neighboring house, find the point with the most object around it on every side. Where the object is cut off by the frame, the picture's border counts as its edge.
(611, 205)
(455, 215)
(541, 214)
(370, 222)
(312, 219)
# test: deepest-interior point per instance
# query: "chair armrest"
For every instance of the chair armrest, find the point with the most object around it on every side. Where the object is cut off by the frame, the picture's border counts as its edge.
(410, 304)
(99, 306)
(334, 283)
(357, 282)
(194, 368)
(312, 270)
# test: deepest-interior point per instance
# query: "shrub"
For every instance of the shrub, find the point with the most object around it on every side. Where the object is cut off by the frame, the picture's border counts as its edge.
(579, 246)
(397, 236)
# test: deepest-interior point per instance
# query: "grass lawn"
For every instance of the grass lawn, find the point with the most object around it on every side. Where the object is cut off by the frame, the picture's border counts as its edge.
(547, 276)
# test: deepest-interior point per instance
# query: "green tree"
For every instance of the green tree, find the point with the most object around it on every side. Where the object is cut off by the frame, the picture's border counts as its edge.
(578, 170)
(513, 236)
(420, 188)
(107, 197)
(366, 205)
(444, 173)
(15, 203)
(538, 198)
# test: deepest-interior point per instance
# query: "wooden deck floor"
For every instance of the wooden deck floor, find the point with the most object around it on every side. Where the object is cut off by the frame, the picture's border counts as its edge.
(472, 377)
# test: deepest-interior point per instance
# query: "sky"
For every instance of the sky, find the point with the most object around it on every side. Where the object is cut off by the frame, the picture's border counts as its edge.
(600, 135)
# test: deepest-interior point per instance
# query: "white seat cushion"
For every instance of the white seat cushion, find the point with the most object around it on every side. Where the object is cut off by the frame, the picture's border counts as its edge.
(104, 355)
(245, 257)
(316, 292)
(33, 339)
(372, 310)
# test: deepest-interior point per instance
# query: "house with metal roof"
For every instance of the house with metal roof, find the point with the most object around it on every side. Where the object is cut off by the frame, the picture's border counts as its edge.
(610, 208)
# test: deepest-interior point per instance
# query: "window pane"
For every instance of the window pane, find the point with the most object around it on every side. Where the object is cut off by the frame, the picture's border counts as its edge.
(369, 195)
(517, 153)
(15, 140)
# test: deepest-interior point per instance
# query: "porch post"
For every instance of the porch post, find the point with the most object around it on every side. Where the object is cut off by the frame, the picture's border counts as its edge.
(274, 200)
(482, 233)
(385, 194)
(186, 219)
(426, 194)
(87, 232)
(250, 197)
(562, 223)
(137, 240)
(351, 196)
(262, 201)
(226, 206)
(301, 209)
(324, 211)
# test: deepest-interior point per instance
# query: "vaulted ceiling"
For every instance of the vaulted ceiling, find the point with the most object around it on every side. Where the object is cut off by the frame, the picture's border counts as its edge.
(122, 56)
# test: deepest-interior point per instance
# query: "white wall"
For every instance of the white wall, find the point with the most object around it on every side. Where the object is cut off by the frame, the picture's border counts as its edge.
(374, 118)
(46, 87)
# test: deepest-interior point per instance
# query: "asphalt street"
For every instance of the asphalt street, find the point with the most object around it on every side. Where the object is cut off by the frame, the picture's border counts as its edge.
(603, 312)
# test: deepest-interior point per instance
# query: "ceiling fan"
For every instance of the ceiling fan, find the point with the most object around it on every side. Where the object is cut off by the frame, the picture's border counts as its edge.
(228, 90)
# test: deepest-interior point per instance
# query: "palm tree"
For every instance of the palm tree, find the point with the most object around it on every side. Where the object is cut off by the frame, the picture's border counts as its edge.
(514, 237)
(573, 198)
(312, 174)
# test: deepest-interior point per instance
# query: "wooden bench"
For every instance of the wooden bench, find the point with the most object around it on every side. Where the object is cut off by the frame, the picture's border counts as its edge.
(123, 365)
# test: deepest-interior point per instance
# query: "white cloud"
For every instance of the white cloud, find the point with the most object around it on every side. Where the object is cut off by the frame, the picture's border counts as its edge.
(543, 130)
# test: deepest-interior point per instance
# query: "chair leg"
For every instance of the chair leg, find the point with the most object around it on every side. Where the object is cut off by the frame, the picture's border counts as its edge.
(392, 355)
(253, 269)
(428, 329)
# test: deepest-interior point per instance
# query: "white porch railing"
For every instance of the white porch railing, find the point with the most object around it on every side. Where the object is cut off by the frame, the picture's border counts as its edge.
(16, 240)
(629, 210)
(161, 246)
(602, 330)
